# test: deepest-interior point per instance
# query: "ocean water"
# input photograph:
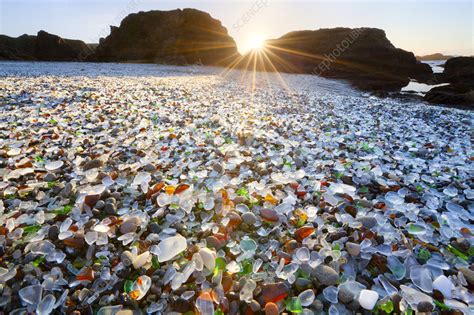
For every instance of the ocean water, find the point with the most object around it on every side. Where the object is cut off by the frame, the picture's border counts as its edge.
(421, 89)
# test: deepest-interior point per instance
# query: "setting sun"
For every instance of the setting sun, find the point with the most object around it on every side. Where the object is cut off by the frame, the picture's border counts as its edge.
(256, 42)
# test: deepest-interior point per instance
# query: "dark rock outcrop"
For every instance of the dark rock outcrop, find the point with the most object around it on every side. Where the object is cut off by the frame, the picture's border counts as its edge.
(54, 48)
(459, 72)
(186, 36)
(44, 46)
(363, 56)
(19, 48)
(451, 95)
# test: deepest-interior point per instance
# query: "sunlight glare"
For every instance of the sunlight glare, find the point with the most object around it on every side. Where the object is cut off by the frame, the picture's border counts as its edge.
(256, 42)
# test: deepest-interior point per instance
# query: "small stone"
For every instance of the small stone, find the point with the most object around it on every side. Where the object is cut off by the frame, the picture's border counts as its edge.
(424, 307)
(254, 306)
(46, 305)
(273, 292)
(150, 168)
(468, 274)
(87, 274)
(234, 219)
(368, 299)
(444, 285)
(130, 225)
(92, 164)
(348, 291)
(154, 227)
(317, 305)
(141, 259)
(326, 275)
(67, 190)
(91, 200)
(110, 208)
(302, 283)
(353, 249)
(303, 232)
(218, 167)
(31, 294)
(127, 258)
(294, 305)
(140, 287)
(249, 218)
(214, 242)
(303, 254)
(306, 297)
(344, 295)
(100, 205)
(53, 232)
(368, 222)
(271, 309)
(208, 257)
(248, 245)
(204, 304)
(55, 165)
(171, 246)
(50, 177)
(269, 215)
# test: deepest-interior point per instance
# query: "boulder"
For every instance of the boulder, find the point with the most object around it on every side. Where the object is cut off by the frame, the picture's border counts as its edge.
(44, 46)
(459, 72)
(363, 56)
(186, 36)
(454, 95)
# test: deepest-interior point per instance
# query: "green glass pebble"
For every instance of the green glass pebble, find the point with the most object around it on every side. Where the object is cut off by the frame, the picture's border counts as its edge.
(294, 305)
(424, 254)
(127, 286)
(220, 263)
(387, 307)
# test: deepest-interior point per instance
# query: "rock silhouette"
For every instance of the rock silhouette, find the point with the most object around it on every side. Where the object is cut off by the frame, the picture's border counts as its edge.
(364, 56)
(459, 72)
(44, 46)
(186, 36)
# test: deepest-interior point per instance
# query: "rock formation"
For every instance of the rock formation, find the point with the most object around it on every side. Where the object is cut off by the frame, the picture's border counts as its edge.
(364, 56)
(459, 72)
(186, 36)
(44, 46)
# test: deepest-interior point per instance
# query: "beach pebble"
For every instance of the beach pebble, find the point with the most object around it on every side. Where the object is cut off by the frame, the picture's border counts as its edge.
(127, 258)
(353, 249)
(130, 225)
(368, 299)
(271, 309)
(92, 164)
(368, 222)
(326, 275)
(444, 285)
(171, 246)
(249, 218)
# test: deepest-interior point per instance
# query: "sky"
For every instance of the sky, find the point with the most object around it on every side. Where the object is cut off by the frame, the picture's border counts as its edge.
(423, 27)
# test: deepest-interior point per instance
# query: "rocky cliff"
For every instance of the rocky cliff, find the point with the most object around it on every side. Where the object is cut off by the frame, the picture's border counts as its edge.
(178, 37)
(364, 56)
(44, 46)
